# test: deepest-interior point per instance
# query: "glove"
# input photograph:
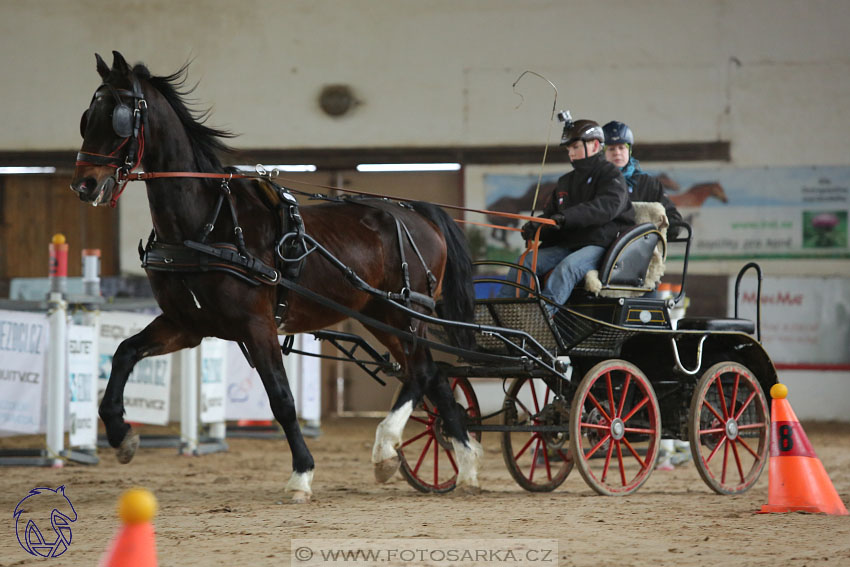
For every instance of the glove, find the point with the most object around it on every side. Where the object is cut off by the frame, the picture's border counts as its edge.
(559, 220)
(528, 230)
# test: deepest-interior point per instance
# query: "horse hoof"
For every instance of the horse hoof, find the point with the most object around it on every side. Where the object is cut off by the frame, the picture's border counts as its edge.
(467, 490)
(300, 497)
(385, 470)
(127, 448)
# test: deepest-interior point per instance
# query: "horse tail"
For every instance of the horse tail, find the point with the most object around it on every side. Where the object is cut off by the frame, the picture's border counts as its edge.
(458, 292)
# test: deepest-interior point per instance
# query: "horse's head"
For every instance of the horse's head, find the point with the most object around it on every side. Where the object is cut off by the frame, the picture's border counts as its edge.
(718, 193)
(113, 130)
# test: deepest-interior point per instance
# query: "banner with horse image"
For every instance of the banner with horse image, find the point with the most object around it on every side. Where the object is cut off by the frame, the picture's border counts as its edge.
(147, 394)
(742, 213)
(23, 371)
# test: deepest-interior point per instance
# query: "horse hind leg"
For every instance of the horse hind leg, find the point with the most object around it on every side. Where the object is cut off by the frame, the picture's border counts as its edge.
(385, 457)
(161, 336)
(468, 451)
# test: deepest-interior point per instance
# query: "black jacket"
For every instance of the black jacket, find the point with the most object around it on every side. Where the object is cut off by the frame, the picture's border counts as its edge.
(648, 188)
(594, 202)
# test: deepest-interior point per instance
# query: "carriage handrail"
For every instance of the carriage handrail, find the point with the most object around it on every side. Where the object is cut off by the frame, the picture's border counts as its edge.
(519, 267)
(687, 240)
(758, 295)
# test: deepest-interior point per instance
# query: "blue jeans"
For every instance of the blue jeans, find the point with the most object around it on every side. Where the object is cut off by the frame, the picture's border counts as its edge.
(568, 268)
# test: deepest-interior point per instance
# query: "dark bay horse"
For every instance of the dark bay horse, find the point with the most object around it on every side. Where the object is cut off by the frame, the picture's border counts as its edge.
(137, 119)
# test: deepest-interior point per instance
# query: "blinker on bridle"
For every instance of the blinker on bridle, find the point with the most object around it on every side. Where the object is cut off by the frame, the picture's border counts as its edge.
(127, 123)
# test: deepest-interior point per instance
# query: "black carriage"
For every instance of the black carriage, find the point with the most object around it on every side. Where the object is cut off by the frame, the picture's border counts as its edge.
(599, 386)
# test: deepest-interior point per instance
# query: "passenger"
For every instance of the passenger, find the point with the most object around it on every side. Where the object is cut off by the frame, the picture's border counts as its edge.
(590, 206)
(619, 141)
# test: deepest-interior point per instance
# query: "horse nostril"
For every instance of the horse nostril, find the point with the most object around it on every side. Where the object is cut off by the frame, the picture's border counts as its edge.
(83, 186)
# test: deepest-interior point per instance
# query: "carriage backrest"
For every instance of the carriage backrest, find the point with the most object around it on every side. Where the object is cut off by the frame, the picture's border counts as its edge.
(634, 263)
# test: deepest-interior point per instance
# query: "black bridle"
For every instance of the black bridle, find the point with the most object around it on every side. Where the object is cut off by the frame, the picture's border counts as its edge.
(128, 122)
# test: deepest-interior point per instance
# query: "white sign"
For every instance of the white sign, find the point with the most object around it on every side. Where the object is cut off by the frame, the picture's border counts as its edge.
(82, 385)
(23, 358)
(146, 394)
(246, 396)
(213, 388)
(803, 320)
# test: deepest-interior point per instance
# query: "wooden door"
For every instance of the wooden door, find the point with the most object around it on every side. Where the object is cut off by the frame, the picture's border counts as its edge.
(35, 207)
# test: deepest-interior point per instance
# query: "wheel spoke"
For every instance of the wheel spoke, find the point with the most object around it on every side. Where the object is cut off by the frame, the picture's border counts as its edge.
(745, 405)
(596, 426)
(639, 430)
(625, 391)
(436, 464)
(422, 420)
(592, 398)
(722, 397)
(620, 461)
(737, 461)
(734, 393)
(636, 409)
(416, 437)
(725, 461)
(716, 447)
(635, 453)
(597, 446)
(534, 460)
(748, 448)
(422, 456)
(534, 397)
(712, 410)
(524, 447)
(546, 461)
(712, 431)
(451, 460)
(610, 394)
(759, 425)
(607, 460)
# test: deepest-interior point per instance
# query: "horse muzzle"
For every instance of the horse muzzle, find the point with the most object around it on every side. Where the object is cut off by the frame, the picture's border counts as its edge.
(90, 191)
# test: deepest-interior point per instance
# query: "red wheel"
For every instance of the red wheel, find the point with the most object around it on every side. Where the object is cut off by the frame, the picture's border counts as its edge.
(427, 456)
(539, 461)
(728, 428)
(615, 427)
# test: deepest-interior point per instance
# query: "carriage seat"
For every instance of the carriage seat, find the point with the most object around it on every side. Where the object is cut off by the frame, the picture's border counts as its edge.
(711, 324)
(634, 263)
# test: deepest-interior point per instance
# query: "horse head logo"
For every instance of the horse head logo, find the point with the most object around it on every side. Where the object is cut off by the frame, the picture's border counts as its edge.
(34, 510)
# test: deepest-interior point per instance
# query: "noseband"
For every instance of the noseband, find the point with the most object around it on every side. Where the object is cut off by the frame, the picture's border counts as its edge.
(128, 122)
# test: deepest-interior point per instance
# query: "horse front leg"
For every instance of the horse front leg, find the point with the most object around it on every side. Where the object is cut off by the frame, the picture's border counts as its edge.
(161, 336)
(265, 352)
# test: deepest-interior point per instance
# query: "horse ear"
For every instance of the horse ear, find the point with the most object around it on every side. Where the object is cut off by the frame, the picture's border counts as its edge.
(102, 67)
(119, 64)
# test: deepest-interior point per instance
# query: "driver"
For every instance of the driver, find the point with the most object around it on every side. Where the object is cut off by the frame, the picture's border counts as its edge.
(591, 207)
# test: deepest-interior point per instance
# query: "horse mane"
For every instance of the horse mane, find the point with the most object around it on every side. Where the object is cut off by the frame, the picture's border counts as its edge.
(206, 141)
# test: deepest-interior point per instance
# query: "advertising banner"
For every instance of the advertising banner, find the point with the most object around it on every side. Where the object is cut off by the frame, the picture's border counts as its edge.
(213, 388)
(146, 395)
(804, 320)
(82, 386)
(23, 360)
(735, 212)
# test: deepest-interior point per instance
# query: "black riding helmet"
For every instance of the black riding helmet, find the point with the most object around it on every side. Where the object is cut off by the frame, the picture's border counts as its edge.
(584, 130)
(618, 133)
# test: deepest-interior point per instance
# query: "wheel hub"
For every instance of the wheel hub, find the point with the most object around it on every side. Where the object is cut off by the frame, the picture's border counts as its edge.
(732, 429)
(618, 429)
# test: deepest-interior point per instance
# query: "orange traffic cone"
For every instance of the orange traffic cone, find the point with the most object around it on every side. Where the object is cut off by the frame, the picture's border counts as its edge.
(135, 544)
(797, 482)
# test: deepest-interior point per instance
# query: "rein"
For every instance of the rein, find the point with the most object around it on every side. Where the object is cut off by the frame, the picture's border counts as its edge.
(263, 173)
